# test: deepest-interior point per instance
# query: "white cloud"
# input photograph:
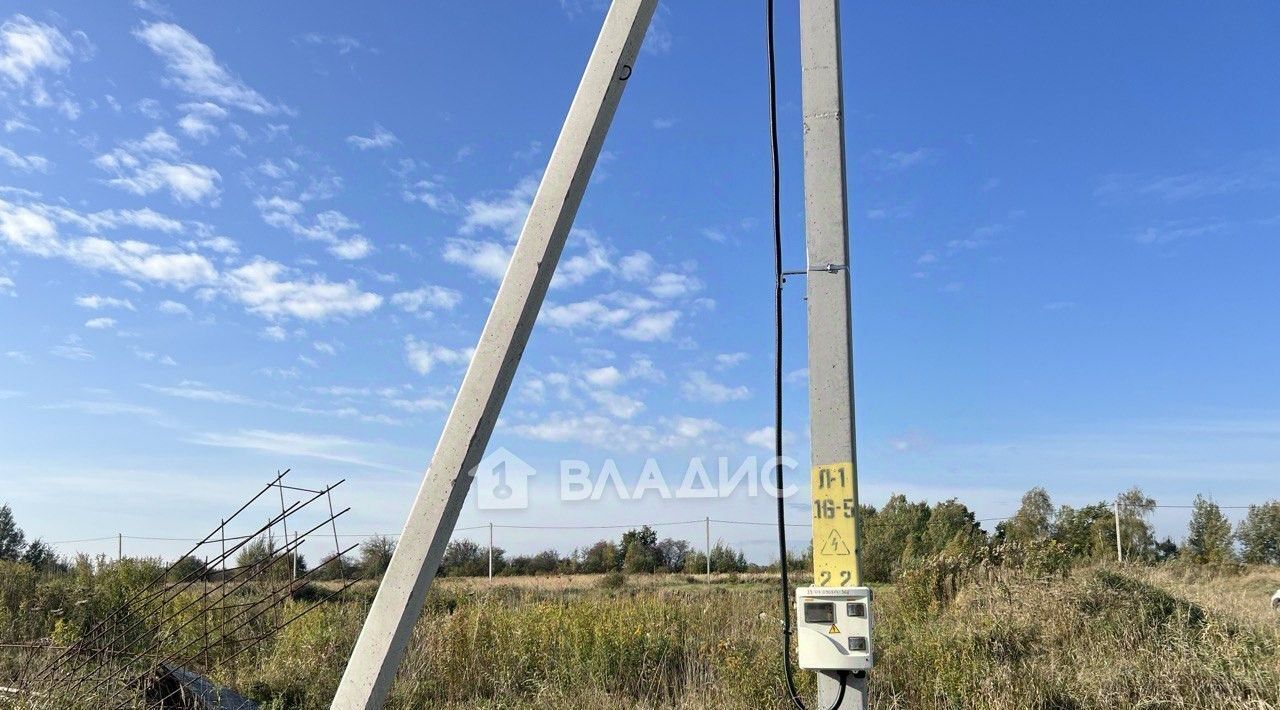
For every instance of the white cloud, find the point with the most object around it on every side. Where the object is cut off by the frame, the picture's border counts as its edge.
(423, 356)
(326, 348)
(427, 298)
(28, 47)
(198, 121)
(328, 226)
(580, 267)
(221, 245)
(608, 376)
(432, 194)
(186, 182)
(27, 50)
(701, 388)
(381, 138)
(145, 218)
(505, 213)
(592, 314)
(727, 360)
(191, 66)
(141, 260)
(146, 166)
(288, 445)
(268, 289)
(673, 285)
(421, 404)
(27, 229)
(103, 408)
(636, 266)
(343, 43)
(274, 332)
(618, 405)
(612, 435)
(71, 349)
(26, 163)
(764, 437)
(154, 357)
(488, 259)
(17, 124)
(897, 160)
(96, 302)
(352, 249)
(200, 392)
(100, 323)
(173, 308)
(7, 287)
(651, 326)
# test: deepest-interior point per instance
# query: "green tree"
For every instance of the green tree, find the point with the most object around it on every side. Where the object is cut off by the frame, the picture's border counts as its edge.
(1208, 534)
(1088, 532)
(12, 540)
(1034, 518)
(891, 535)
(465, 558)
(640, 551)
(640, 558)
(1259, 534)
(1136, 536)
(375, 556)
(42, 557)
(333, 567)
(726, 559)
(601, 557)
(952, 528)
(672, 552)
(187, 569)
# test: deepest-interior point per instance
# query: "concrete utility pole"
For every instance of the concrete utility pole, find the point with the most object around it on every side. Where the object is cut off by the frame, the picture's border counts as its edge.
(830, 330)
(490, 550)
(119, 547)
(381, 645)
(1119, 548)
(708, 548)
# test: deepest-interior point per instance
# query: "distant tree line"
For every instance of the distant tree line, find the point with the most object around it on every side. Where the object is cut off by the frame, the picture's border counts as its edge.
(15, 548)
(894, 536)
(638, 552)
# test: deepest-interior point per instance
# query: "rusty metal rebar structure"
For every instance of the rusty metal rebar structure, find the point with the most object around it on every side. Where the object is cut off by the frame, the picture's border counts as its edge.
(197, 615)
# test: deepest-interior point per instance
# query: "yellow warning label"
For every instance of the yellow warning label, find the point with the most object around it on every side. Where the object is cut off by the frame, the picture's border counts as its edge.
(834, 629)
(835, 510)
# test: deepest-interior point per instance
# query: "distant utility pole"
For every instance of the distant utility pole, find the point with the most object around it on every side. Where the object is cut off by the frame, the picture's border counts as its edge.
(381, 645)
(708, 549)
(490, 550)
(832, 448)
(119, 547)
(1119, 547)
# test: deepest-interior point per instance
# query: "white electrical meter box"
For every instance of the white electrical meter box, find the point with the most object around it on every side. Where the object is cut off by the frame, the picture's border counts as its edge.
(833, 627)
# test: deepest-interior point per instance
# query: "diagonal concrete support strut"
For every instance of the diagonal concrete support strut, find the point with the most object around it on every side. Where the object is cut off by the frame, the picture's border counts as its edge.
(381, 645)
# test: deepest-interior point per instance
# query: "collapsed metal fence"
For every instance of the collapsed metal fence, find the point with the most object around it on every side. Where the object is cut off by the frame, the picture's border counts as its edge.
(235, 588)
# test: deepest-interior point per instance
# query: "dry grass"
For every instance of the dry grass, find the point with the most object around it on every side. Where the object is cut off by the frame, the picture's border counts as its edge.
(1099, 638)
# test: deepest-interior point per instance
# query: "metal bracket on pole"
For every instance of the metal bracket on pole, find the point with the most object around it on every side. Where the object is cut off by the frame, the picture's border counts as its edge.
(381, 645)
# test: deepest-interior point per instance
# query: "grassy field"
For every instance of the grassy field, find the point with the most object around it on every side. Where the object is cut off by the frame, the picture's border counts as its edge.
(1096, 638)
(1092, 637)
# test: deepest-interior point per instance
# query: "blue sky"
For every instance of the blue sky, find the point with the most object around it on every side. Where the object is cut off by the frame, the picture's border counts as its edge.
(242, 237)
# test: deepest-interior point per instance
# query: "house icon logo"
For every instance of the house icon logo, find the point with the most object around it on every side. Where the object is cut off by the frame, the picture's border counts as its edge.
(502, 481)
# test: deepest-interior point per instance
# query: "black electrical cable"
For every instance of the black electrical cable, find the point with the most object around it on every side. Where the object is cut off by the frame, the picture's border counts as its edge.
(778, 281)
